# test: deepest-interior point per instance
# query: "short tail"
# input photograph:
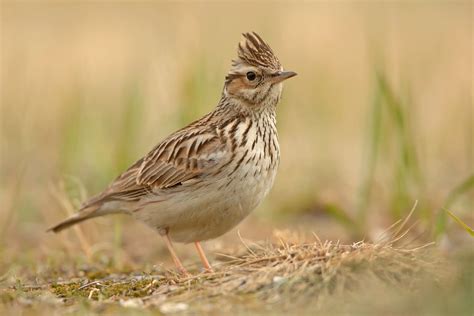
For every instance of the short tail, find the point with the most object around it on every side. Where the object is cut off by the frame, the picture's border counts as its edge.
(81, 216)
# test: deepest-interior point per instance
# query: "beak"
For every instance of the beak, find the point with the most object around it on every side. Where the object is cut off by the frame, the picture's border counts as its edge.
(283, 75)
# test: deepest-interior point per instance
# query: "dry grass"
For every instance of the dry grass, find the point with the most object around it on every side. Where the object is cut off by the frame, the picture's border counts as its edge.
(290, 273)
(279, 275)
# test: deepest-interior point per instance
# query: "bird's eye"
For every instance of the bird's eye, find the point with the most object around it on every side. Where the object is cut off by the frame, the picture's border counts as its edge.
(251, 76)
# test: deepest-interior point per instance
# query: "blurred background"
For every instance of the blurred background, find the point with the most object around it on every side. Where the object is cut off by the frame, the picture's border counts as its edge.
(379, 117)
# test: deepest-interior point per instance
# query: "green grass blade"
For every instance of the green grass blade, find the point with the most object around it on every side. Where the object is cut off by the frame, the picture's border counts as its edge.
(374, 135)
(461, 223)
(407, 173)
(453, 196)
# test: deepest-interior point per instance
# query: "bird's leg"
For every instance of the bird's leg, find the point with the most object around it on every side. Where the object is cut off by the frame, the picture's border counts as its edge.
(202, 255)
(175, 258)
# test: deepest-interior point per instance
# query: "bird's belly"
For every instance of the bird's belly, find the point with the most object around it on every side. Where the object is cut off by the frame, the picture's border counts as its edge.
(213, 208)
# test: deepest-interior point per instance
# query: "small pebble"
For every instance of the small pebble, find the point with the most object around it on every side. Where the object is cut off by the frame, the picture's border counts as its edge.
(132, 303)
(278, 279)
(170, 308)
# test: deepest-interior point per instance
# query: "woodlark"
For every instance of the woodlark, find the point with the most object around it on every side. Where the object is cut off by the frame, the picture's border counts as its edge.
(204, 179)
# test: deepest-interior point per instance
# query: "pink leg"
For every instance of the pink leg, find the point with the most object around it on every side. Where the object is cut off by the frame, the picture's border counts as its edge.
(175, 258)
(202, 255)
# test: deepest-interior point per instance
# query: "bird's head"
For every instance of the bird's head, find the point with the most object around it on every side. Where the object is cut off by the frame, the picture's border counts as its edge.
(256, 76)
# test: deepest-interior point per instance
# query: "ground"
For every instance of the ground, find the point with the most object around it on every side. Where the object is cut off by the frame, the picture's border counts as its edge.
(285, 274)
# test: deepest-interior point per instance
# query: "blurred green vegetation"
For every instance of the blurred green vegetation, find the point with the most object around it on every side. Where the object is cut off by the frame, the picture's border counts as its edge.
(388, 122)
(362, 138)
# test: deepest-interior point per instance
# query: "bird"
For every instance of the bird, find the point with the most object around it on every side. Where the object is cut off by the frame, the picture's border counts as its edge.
(204, 179)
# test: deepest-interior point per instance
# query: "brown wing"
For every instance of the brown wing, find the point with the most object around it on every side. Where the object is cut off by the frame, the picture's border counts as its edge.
(182, 157)
(187, 154)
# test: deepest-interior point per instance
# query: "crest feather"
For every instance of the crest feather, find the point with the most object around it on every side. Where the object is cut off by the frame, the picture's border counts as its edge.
(254, 51)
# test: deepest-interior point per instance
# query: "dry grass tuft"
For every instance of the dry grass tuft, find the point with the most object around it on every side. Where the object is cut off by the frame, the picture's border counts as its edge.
(284, 273)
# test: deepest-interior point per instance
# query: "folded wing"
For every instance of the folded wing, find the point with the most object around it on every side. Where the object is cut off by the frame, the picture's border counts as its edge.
(183, 156)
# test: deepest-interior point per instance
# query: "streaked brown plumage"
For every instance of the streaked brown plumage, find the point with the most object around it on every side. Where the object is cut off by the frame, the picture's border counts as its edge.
(204, 179)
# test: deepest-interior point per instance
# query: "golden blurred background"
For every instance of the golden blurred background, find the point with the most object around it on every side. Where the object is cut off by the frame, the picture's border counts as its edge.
(380, 115)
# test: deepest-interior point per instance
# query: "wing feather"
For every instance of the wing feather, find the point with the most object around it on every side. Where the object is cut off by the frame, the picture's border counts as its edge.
(183, 156)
